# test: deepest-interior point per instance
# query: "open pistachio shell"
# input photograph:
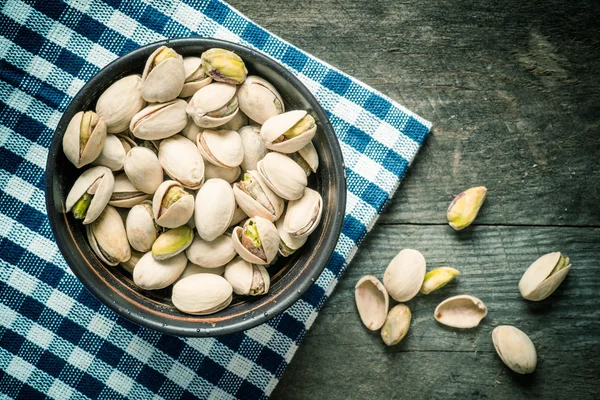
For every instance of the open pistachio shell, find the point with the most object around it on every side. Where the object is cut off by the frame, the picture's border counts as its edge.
(288, 244)
(215, 205)
(515, 349)
(202, 294)
(182, 161)
(90, 194)
(247, 279)
(460, 311)
(396, 325)
(172, 206)
(259, 100)
(195, 76)
(254, 147)
(544, 276)
(404, 275)
(84, 138)
(257, 241)
(221, 148)
(307, 158)
(213, 254)
(303, 215)
(163, 76)
(288, 132)
(107, 237)
(193, 269)
(224, 66)
(120, 102)
(213, 105)
(228, 174)
(152, 274)
(255, 198)
(236, 123)
(130, 264)
(143, 169)
(159, 120)
(282, 175)
(114, 151)
(438, 278)
(142, 230)
(172, 242)
(372, 302)
(124, 194)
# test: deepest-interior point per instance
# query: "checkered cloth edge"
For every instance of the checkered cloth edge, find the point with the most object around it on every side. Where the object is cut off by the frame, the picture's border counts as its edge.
(58, 340)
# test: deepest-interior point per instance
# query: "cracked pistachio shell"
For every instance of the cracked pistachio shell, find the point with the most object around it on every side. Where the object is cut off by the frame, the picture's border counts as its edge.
(107, 237)
(114, 151)
(238, 216)
(224, 66)
(152, 274)
(460, 311)
(195, 76)
(141, 228)
(172, 242)
(191, 130)
(247, 279)
(438, 278)
(228, 174)
(544, 276)
(236, 123)
(159, 120)
(193, 269)
(215, 205)
(282, 175)
(84, 138)
(163, 76)
(303, 215)
(130, 264)
(404, 275)
(515, 349)
(254, 147)
(97, 182)
(213, 254)
(213, 105)
(372, 302)
(221, 148)
(259, 100)
(288, 244)
(307, 158)
(182, 161)
(257, 241)
(298, 124)
(143, 169)
(172, 206)
(464, 208)
(255, 198)
(396, 325)
(202, 294)
(120, 102)
(124, 194)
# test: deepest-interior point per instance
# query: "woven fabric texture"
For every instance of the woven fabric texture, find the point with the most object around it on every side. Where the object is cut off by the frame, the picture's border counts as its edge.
(56, 339)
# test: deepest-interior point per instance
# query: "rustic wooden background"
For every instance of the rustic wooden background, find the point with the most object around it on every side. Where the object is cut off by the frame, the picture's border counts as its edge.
(513, 91)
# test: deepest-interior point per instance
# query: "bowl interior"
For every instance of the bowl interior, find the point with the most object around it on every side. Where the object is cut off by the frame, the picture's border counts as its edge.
(290, 277)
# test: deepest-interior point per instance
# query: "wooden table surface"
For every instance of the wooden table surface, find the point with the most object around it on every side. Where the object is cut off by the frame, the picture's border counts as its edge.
(513, 91)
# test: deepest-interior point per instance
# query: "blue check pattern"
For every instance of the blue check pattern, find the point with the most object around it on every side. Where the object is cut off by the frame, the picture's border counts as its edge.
(57, 340)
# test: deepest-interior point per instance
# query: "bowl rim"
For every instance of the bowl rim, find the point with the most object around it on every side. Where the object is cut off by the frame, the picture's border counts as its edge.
(271, 309)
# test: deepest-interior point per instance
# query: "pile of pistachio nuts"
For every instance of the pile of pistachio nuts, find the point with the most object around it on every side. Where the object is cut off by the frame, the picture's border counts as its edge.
(406, 276)
(195, 176)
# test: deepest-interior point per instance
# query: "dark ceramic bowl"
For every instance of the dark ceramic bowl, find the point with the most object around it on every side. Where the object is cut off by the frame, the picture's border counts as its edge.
(290, 277)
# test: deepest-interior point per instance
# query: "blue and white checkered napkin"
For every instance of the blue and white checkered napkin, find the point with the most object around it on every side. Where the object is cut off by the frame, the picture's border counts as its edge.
(56, 338)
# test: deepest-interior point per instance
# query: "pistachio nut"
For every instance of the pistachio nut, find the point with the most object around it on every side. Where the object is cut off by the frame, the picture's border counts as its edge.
(182, 161)
(460, 311)
(213, 254)
(142, 230)
(255, 198)
(247, 279)
(120, 102)
(90, 194)
(172, 242)
(130, 264)
(107, 237)
(213, 105)
(544, 276)
(288, 244)
(151, 145)
(224, 66)
(193, 269)
(228, 174)
(396, 325)
(254, 147)
(236, 123)
(282, 175)
(159, 120)
(143, 169)
(202, 294)
(84, 138)
(163, 76)
(259, 100)
(152, 274)
(372, 302)
(464, 208)
(438, 278)
(172, 206)
(221, 148)
(307, 158)
(114, 151)
(215, 205)
(195, 76)
(404, 275)
(125, 194)
(238, 216)
(257, 241)
(515, 349)
(303, 215)
(191, 130)
(288, 132)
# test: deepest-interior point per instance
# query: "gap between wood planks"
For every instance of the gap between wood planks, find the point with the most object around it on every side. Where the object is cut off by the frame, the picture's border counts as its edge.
(495, 225)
